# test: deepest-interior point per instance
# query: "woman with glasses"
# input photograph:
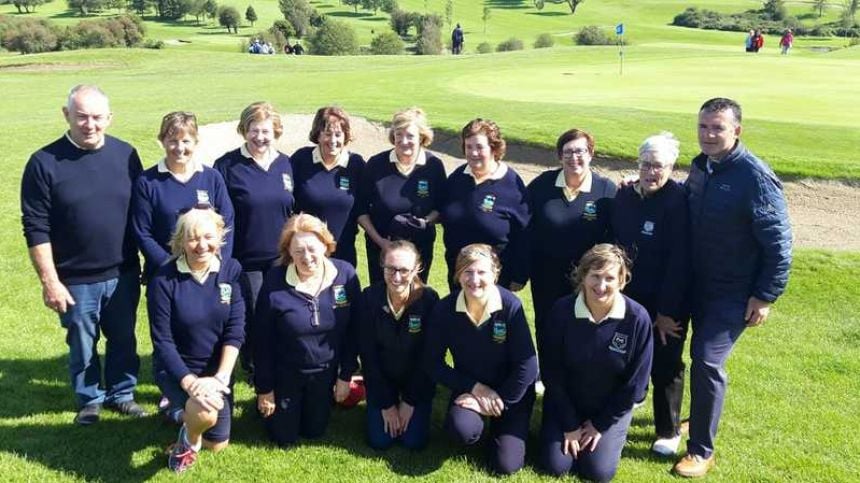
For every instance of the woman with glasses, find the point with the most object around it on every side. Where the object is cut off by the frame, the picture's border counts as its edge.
(649, 221)
(401, 192)
(570, 208)
(177, 182)
(494, 365)
(399, 391)
(306, 335)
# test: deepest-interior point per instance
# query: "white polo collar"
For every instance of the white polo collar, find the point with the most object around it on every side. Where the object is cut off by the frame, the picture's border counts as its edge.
(329, 274)
(196, 167)
(342, 158)
(570, 194)
(420, 160)
(494, 304)
(267, 160)
(214, 267)
(618, 310)
(498, 174)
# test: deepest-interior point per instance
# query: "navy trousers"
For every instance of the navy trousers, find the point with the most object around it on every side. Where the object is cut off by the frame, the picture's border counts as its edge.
(303, 405)
(597, 465)
(717, 326)
(414, 438)
(508, 433)
(250, 283)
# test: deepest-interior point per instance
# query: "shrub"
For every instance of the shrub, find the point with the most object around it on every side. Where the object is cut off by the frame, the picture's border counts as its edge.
(386, 43)
(334, 38)
(510, 45)
(298, 14)
(429, 40)
(229, 17)
(400, 21)
(30, 36)
(286, 28)
(420, 21)
(543, 41)
(159, 44)
(484, 48)
(592, 35)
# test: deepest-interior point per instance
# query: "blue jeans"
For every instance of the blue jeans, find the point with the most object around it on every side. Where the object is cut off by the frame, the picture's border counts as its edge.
(417, 432)
(108, 307)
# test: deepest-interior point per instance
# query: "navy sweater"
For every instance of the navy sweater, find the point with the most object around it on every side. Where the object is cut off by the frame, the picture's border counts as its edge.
(289, 339)
(499, 353)
(581, 224)
(385, 192)
(190, 322)
(79, 202)
(329, 195)
(391, 349)
(157, 202)
(262, 200)
(654, 232)
(495, 212)
(595, 371)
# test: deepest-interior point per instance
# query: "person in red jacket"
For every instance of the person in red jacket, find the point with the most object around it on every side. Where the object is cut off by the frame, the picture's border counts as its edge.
(786, 41)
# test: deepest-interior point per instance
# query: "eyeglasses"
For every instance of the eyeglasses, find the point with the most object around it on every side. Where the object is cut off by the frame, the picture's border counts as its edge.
(569, 153)
(648, 166)
(391, 271)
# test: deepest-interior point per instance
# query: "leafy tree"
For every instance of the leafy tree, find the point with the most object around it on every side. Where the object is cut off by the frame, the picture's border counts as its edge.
(211, 8)
(372, 5)
(386, 43)
(401, 20)
(298, 13)
(84, 7)
(286, 29)
(775, 9)
(198, 9)
(429, 37)
(229, 17)
(485, 15)
(250, 15)
(334, 38)
(26, 6)
(388, 6)
(849, 10)
(30, 36)
(140, 7)
(819, 5)
(352, 3)
(572, 4)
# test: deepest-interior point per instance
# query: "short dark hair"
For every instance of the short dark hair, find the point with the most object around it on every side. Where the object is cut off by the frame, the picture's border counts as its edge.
(487, 128)
(321, 121)
(720, 104)
(571, 135)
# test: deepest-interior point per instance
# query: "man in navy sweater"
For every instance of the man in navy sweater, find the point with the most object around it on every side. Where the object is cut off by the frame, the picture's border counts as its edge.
(741, 255)
(75, 197)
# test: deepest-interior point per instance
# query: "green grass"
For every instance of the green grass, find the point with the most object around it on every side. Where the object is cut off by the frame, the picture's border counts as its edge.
(792, 403)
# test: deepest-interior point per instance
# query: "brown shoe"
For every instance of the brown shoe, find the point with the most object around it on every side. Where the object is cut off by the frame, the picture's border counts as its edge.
(693, 466)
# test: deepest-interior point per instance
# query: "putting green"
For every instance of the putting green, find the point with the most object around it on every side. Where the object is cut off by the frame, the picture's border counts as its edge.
(676, 80)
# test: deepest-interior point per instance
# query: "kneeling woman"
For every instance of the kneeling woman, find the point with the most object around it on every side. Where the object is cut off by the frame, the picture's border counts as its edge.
(400, 393)
(595, 364)
(495, 366)
(305, 340)
(197, 322)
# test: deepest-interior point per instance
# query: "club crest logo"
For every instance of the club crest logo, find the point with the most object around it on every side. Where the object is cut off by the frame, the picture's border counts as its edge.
(648, 228)
(423, 188)
(225, 292)
(500, 332)
(343, 183)
(202, 197)
(488, 203)
(414, 324)
(288, 182)
(618, 343)
(589, 211)
(340, 299)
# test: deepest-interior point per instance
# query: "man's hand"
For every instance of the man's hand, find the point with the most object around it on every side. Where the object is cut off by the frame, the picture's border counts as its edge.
(757, 312)
(666, 327)
(57, 297)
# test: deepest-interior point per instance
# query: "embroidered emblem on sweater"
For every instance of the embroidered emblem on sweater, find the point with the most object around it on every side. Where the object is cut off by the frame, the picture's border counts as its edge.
(488, 203)
(648, 228)
(225, 291)
(500, 332)
(589, 211)
(202, 197)
(340, 299)
(618, 343)
(343, 183)
(423, 188)
(414, 324)
(288, 182)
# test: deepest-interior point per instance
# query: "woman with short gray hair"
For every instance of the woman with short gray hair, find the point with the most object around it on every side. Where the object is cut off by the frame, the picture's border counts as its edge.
(649, 221)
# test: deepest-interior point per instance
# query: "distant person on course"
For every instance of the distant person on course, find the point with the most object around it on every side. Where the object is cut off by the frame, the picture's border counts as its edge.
(740, 241)
(75, 202)
(749, 43)
(457, 40)
(786, 41)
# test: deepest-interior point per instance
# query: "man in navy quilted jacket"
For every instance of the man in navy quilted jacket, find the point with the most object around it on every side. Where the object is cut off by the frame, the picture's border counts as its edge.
(741, 255)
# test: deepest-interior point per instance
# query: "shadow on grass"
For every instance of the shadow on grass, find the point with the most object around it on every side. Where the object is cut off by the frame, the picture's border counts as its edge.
(373, 19)
(350, 14)
(548, 14)
(510, 4)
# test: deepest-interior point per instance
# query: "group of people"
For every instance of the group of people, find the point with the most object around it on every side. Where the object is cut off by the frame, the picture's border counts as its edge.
(254, 260)
(755, 41)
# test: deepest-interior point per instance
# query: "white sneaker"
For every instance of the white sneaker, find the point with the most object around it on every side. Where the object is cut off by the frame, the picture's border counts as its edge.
(666, 446)
(539, 388)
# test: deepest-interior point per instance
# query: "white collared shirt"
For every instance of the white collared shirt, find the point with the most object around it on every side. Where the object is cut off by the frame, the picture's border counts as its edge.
(395, 313)
(618, 310)
(571, 194)
(498, 174)
(194, 167)
(267, 160)
(309, 286)
(201, 276)
(420, 160)
(494, 304)
(69, 137)
(342, 159)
